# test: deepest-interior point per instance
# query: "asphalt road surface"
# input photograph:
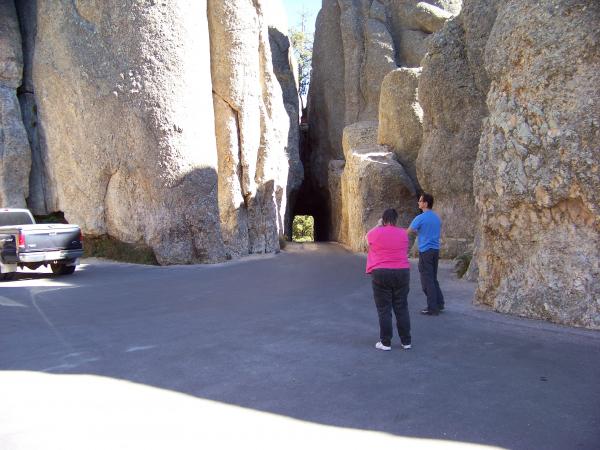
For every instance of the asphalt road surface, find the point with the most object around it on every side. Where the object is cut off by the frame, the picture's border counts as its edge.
(277, 351)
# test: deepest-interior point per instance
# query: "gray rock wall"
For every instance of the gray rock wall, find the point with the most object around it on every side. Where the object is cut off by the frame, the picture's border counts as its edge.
(125, 106)
(372, 181)
(509, 93)
(401, 118)
(413, 21)
(15, 154)
(285, 69)
(36, 202)
(358, 43)
(536, 176)
(510, 141)
(126, 141)
(452, 92)
(257, 134)
(327, 96)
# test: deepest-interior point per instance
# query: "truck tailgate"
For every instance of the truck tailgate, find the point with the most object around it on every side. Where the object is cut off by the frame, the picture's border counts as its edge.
(56, 238)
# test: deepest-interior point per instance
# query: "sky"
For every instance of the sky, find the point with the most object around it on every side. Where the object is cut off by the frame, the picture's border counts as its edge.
(294, 7)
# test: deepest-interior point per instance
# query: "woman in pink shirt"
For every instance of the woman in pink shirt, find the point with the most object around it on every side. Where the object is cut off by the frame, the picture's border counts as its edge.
(387, 262)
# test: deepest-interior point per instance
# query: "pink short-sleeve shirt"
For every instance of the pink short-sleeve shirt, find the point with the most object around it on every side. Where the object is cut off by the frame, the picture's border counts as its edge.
(388, 248)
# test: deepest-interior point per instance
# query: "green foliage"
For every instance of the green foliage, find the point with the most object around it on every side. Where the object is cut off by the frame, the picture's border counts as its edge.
(303, 229)
(302, 43)
(107, 247)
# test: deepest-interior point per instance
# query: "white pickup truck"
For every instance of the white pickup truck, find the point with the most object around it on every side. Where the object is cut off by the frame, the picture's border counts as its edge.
(23, 243)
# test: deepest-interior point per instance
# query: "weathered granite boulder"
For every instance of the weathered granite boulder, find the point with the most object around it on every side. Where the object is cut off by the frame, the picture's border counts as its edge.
(119, 112)
(372, 181)
(125, 105)
(353, 51)
(356, 45)
(411, 25)
(327, 96)
(15, 154)
(431, 18)
(452, 93)
(536, 179)
(401, 118)
(256, 135)
(413, 47)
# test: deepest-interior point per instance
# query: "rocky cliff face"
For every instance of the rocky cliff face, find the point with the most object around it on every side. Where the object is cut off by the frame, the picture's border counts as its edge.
(15, 155)
(256, 138)
(452, 92)
(124, 101)
(536, 179)
(500, 124)
(401, 118)
(363, 54)
(372, 181)
(163, 125)
(509, 93)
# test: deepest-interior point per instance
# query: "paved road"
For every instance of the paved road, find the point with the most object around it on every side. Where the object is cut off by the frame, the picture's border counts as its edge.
(277, 351)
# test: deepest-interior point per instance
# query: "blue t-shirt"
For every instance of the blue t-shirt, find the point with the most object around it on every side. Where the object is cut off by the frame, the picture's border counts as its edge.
(428, 225)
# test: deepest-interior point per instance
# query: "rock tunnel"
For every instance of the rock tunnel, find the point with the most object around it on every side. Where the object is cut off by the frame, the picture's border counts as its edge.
(310, 199)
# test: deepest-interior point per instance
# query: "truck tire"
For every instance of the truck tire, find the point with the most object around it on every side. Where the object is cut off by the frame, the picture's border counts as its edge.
(6, 276)
(62, 269)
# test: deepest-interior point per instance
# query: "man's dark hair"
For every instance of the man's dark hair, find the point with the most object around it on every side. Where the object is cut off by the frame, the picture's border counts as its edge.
(389, 216)
(427, 198)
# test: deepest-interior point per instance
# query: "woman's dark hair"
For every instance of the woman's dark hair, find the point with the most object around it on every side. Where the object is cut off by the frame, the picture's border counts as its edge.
(427, 198)
(389, 216)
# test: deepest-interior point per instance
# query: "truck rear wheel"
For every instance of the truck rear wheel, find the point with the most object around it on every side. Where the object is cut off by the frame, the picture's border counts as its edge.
(62, 269)
(8, 272)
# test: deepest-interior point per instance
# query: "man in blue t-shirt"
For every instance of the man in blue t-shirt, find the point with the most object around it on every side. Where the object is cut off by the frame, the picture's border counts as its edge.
(428, 226)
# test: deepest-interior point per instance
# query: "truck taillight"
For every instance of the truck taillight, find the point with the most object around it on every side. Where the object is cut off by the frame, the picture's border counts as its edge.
(81, 237)
(21, 240)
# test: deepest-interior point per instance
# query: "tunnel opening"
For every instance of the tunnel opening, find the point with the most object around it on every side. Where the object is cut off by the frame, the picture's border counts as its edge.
(310, 202)
(303, 229)
(310, 199)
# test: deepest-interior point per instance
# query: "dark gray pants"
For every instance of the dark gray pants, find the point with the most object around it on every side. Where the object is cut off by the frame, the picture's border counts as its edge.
(390, 291)
(428, 268)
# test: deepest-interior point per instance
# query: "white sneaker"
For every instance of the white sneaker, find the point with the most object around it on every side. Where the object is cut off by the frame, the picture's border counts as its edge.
(407, 346)
(380, 346)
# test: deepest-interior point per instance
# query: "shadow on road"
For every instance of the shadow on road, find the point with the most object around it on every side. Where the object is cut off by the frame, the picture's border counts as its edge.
(279, 350)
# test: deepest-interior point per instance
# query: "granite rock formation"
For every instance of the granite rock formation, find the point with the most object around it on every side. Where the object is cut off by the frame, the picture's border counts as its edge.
(536, 179)
(510, 137)
(372, 181)
(125, 106)
(285, 69)
(126, 140)
(356, 45)
(401, 118)
(413, 22)
(15, 154)
(452, 91)
(36, 201)
(255, 132)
